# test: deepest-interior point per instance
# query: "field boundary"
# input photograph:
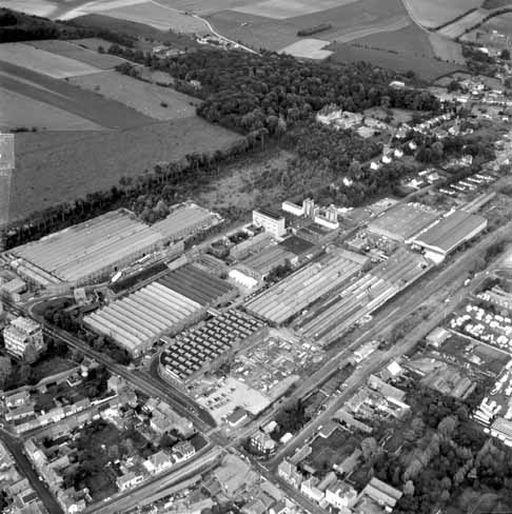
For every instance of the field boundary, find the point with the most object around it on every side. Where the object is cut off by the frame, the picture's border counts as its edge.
(454, 20)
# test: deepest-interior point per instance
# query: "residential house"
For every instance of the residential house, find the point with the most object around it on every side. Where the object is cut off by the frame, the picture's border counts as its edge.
(158, 462)
(183, 451)
(382, 493)
(129, 480)
(310, 490)
(341, 495)
(289, 473)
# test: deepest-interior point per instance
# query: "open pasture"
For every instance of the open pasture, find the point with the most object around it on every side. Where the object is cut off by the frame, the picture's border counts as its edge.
(53, 167)
(161, 103)
(61, 94)
(77, 53)
(432, 13)
(18, 111)
(284, 9)
(40, 61)
(158, 16)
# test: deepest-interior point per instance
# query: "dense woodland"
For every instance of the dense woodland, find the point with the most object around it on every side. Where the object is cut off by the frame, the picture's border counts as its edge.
(16, 26)
(446, 459)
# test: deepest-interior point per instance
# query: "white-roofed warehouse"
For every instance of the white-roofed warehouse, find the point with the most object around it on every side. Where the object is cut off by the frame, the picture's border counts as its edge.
(445, 236)
(138, 320)
(87, 251)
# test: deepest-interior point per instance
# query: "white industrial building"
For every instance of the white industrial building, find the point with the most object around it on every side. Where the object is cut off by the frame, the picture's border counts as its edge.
(272, 222)
(138, 320)
(447, 234)
(23, 338)
(86, 252)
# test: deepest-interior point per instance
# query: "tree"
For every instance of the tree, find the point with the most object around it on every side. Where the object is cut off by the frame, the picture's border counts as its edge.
(447, 426)
(368, 447)
(409, 488)
(5, 370)
(505, 54)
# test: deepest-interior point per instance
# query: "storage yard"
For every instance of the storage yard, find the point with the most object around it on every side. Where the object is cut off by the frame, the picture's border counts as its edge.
(199, 286)
(289, 297)
(336, 315)
(485, 326)
(273, 365)
(449, 233)
(191, 350)
(87, 251)
(138, 320)
(402, 222)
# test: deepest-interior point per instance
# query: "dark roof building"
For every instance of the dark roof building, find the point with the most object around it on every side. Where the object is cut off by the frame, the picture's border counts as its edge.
(198, 285)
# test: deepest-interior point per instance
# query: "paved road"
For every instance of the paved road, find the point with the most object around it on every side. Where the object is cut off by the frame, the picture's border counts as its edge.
(127, 500)
(25, 467)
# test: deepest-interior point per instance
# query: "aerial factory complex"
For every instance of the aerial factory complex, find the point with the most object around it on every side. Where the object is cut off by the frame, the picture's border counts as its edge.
(255, 258)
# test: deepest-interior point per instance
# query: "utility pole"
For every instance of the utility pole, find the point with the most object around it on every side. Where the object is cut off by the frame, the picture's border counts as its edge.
(6, 171)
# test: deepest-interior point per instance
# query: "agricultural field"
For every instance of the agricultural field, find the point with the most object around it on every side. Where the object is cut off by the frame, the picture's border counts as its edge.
(41, 61)
(61, 166)
(458, 27)
(74, 51)
(155, 15)
(446, 49)
(157, 102)
(61, 94)
(349, 20)
(20, 112)
(308, 48)
(433, 13)
(284, 9)
(402, 50)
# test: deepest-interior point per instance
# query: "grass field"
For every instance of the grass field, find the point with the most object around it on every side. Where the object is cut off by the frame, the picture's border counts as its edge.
(425, 67)
(284, 9)
(309, 48)
(137, 30)
(18, 111)
(158, 16)
(76, 52)
(432, 13)
(446, 49)
(409, 40)
(61, 166)
(40, 61)
(61, 94)
(149, 99)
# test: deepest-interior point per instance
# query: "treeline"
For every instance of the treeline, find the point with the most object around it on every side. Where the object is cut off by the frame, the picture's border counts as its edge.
(16, 26)
(147, 195)
(314, 30)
